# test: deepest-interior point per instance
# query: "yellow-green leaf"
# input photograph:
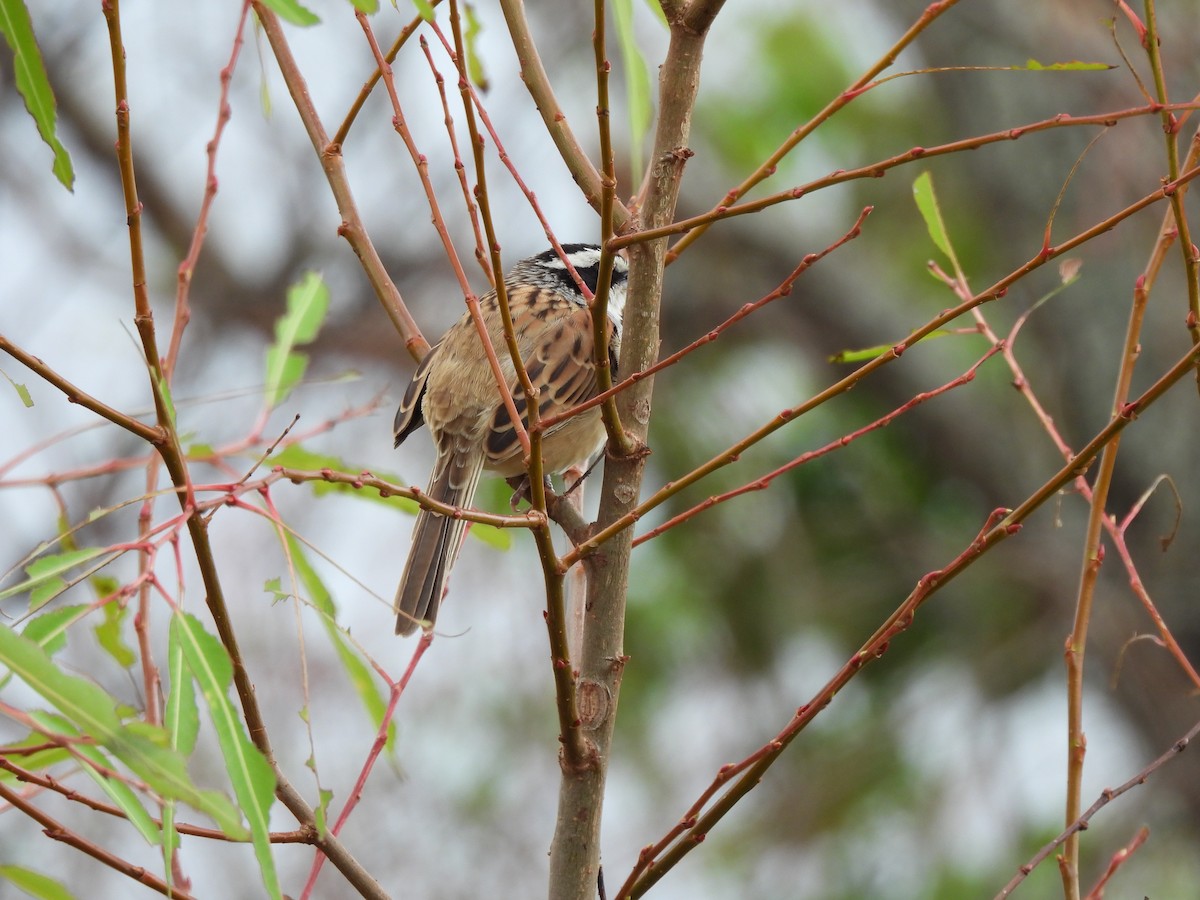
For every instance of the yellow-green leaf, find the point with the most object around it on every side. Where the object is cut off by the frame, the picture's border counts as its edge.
(93, 711)
(47, 572)
(35, 884)
(249, 772)
(1074, 65)
(927, 203)
(95, 763)
(638, 93)
(360, 673)
(108, 633)
(307, 304)
(34, 87)
(292, 11)
(22, 390)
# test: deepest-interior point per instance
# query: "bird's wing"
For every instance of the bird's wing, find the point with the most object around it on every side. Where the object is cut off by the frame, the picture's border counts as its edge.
(560, 366)
(409, 416)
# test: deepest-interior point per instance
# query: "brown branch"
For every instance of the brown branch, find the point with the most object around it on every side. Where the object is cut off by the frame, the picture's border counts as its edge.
(405, 33)
(1106, 797)
(334, 166)
(575, 850)
(1001, 525)
(48, 782)
(782, 290)
(881, 167)
(148, 433)
(764, 481)
(997, 290)
(58, 832)
(703, 12)
(533, 74)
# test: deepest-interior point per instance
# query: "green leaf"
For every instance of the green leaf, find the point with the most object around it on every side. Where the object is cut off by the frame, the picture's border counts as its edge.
(292, 11)
(638, 96)
(164, 390)
(250, 773)
(850, 356)
(274, 586)
(424, 9)
(927, 203)
(94, 762)
(93, 711)
(307, 302)
(181, 719)
(108, 633)
(34, 87)
(1074, 65)
(321, 810)
(471, 39)
(360, 673)
(366, 6)
(22, 390)
(35, 884)
(45, 574)
(50, 629)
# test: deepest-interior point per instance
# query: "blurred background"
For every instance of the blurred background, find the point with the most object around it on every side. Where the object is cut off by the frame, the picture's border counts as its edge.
(941, 768)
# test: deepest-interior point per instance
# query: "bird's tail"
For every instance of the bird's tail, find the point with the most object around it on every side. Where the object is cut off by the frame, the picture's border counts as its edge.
(435, 542)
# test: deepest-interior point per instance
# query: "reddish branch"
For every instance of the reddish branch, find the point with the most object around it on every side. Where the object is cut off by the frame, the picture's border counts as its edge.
(997, 290)
(1106, 797)
(879, 169)
(1000, 525)
(763, 482)
(59, 832)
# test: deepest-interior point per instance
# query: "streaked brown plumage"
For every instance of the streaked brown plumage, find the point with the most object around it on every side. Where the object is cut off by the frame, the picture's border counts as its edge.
(455, 393)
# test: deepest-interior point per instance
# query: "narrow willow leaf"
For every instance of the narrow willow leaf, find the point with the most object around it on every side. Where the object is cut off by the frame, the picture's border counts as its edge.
(181, 719)
(321, 811)
(930, 211)
(1074, 65)
(424, 9)
(164, 390)
(120, 793)
(307, 304)
(108, 634)
(638, 96)
(50, 629)
(34, 87)
(93, 711)
(370, 7)
(274, 586)
(48, 570)
(22, 390)
(285, 370)
(35, 884)
(250, 773)
(358, 671)
(292, 11)
(170, 840)
(868, 353)
(471, 38)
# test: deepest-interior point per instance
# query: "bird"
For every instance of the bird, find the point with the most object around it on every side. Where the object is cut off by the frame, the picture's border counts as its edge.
(454, 392)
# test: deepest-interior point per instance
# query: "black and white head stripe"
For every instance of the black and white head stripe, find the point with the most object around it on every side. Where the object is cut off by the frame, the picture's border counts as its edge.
(548, 270)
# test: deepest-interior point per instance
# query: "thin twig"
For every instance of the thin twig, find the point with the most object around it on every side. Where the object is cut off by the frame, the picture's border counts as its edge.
(1106, 797)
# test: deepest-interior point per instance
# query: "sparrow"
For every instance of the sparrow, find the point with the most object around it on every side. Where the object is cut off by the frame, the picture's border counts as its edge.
(455, 393)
